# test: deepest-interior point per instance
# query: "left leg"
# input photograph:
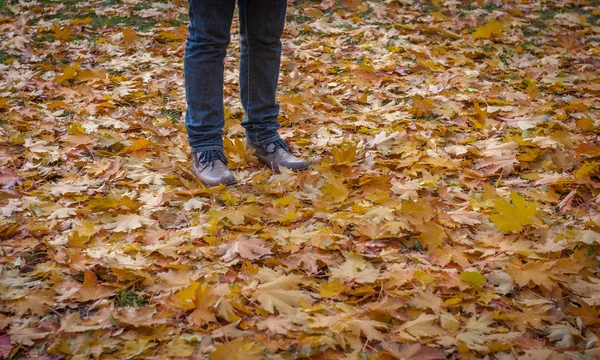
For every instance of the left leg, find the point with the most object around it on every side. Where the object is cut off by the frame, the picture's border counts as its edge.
(261, 28)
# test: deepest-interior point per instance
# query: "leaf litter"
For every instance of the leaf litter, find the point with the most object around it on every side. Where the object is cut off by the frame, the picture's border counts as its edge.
(452, 210)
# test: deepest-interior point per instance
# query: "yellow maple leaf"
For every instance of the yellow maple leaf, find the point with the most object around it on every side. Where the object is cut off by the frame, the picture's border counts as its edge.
(493, 28)
(238, 349)
(68, 74)
(204, 301)
(129, 36)
(432, 235)
(61, 34)
(421, 106)
(184, 299)
(513, 217)
(344, 155)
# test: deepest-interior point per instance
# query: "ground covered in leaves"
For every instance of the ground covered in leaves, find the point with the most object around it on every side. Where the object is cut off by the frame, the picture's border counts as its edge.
(452, 209)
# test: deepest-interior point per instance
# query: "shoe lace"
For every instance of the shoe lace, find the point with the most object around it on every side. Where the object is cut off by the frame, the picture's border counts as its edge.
(277, 144)
(209, 157)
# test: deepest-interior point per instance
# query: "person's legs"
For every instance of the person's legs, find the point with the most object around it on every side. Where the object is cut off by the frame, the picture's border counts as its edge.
(261, 27)
(209, 35)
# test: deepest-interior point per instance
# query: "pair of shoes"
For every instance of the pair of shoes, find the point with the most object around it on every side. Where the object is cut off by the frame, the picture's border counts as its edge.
(278, 154)
(210, 167)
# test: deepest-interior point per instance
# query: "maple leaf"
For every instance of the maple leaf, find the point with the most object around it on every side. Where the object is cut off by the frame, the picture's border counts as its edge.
(417, 212)
(126, 223)
(366, 327)
(432, 235)
(589, 291)
(422, 326)
(413, 351)
(25, 333)
(37, 302)
(203, 302)
(421, 107)
(91, 290)
(280, 294)
(473, 277)
(357, 272)
(129, 36)
(68, 73)
(238, 349)
(463, 216)
(476, 332)
(63, 34)
(344, 155)
(493, 28)
(426, 300)
(535, 272)
(139, 317)
(184, 299)
(276, 325)
(249, 249)
(513, 217)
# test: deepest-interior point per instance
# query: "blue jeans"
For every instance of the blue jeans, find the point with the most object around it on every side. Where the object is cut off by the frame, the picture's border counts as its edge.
(261, 27)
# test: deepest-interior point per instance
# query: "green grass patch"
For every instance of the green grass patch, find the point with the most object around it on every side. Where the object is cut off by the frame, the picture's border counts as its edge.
(126, 298)
(173, 115)
(137, 22)
(4, 56)
(4, 8)
(489, 7)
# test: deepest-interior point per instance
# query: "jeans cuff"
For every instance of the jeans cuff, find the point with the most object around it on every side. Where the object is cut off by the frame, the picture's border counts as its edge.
(204, 148)
(263, 142)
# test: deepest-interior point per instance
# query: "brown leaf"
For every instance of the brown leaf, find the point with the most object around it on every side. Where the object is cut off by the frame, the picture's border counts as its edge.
(91, 290)
(249, 249)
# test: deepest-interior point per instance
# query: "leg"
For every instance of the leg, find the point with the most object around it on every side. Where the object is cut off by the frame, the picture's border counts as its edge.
(261, 27)
(206, 46)
(210, 24)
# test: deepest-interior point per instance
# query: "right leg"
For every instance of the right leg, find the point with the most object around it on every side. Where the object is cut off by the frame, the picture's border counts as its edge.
(206, 46)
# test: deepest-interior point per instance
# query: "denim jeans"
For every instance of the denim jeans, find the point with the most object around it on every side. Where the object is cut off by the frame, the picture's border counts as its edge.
(261, 27)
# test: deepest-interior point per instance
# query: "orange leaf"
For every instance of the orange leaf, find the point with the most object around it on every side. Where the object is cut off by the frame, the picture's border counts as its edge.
(91, 290)
(129, 36)
(61, 34)
(68, 73)
(421, 106)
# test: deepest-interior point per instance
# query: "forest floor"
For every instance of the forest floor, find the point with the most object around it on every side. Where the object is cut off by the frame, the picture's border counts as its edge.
(452, 209)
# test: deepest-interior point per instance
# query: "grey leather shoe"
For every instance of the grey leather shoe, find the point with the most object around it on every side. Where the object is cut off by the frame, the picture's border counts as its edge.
(211, 168)
(278, 154)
